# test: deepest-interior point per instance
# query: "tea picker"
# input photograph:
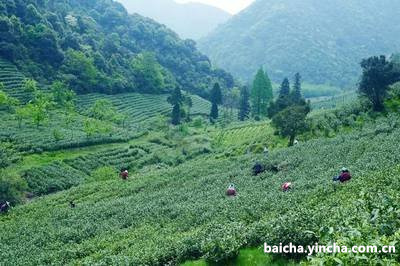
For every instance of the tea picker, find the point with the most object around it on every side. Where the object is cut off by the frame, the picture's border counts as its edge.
(124, 174)
(231, 191)
(5, 207)
(286, 186)
(343, 177)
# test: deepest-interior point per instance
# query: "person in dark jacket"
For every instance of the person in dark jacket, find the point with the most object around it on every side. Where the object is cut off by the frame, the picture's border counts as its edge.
(4, 207)
(344, 176)
(258, 168)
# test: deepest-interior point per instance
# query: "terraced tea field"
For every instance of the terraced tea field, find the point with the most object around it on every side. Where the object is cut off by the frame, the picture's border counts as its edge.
(141, 107)
(251, 137)
(54, 134)
(333, 101)
(58, 175)
(12, 80)
(172, 215)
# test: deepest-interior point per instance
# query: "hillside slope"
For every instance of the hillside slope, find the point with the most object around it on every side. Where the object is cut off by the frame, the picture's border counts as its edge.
(96, 46)
(189, 20)
(324, 40)
(171, 215)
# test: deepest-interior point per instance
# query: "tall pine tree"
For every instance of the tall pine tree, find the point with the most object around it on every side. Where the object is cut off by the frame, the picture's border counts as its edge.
(285, 88)
(244, 105)
(283, 101)
(176, 100)
(216, 99)
(176, 115)
(296, 93)
(261, 94)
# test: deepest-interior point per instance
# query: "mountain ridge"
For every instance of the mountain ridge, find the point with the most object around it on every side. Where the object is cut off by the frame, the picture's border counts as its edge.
(190, 20)
(324, 41)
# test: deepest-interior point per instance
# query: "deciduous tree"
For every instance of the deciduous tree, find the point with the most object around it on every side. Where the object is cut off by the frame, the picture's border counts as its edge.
(378, 74)
(291, 121)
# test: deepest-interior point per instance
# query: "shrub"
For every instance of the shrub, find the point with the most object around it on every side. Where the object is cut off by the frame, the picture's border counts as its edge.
(198, 122)
(103, 174)
(7, 155)
(12, 187)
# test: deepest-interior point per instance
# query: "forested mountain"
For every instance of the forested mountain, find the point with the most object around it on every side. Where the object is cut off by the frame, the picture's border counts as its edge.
(96, 46)
(324, 40)
(189, 20)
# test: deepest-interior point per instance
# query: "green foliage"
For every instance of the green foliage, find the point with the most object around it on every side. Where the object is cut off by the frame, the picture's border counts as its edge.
(261, 93)
(94, 127)
(13, 82)
(290, 110)
(283, 101)
(176, 100)
(62, 95)
(104, 173)
(56, 175)
(149, 76)
(378, 74)
(30, 85)
(8, 155)
(291, 121)
(323, 90)
(246, 138)
(91, 46)
(39, 108)
(244, 106)
(22, 113)
(51, 178)
(163, 222)
(82, 74)
(296, 92)
(103, 109)
(176, 114)
(216, 99)
(12, 187)
(6, 101)
(141, 108)
(333, 102)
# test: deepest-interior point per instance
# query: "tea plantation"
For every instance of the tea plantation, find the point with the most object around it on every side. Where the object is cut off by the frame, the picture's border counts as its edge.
(142, 107)
(171, 215)
(12, 80)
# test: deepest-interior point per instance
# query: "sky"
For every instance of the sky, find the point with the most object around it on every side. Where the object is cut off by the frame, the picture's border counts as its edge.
(232, 6)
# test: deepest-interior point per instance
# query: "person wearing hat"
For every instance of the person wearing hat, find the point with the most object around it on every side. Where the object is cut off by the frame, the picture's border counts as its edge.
(344, 176)
(124, 174)
(4, 207)
(231, 191)
(286, 186)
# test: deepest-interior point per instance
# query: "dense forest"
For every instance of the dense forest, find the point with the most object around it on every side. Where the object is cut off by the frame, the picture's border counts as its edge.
(96, 46)
(324, 40)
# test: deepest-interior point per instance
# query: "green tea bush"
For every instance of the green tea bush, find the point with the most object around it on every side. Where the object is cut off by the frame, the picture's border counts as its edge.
(7, 155)
(172, 214)
(52, 178)
(12, 187)
(103, 174)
